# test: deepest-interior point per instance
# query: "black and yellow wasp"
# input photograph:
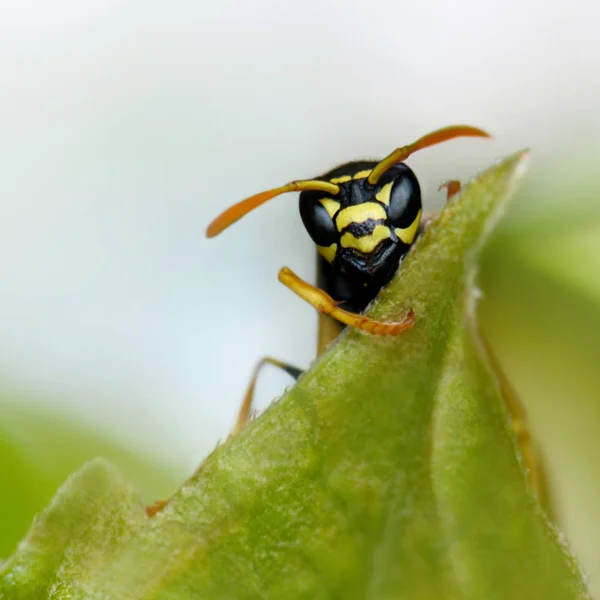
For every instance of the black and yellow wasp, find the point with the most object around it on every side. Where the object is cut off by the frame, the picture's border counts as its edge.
(363, 217)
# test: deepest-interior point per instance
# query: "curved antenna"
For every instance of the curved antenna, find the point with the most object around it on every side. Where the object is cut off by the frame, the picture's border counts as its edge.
(237, 211)
(435, 137)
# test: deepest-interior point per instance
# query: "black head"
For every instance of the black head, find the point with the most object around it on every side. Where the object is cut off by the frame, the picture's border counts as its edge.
(365, 229)
(352, 184)
(363, 216)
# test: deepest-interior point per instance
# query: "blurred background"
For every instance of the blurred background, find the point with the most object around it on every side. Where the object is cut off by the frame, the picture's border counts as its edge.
(126, 126)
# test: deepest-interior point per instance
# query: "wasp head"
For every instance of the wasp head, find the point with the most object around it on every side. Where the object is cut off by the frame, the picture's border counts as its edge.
(365, 229)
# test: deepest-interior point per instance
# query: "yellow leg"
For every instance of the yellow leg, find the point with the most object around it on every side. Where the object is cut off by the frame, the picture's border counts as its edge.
(326, 305)
(245, 411)
(152, 509)
(533, 459)
(452, 186)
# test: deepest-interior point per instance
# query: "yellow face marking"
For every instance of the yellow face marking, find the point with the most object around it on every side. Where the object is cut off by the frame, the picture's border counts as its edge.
(359, 213)
(328, 252)
(331, 206)
(362, 174)
(367, 243)
(383, 195)
(407, 235)
(341, 179)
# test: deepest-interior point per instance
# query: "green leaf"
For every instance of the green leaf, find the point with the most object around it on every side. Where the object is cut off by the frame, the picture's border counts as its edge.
(94, 513)
(38, 450)
(542, 314)
(388, 471)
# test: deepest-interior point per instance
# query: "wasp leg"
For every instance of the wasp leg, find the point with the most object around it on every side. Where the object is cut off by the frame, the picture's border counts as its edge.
(530, 453)
(325, 304)
(152, 509)
(533, 459)
(452, 187)
(245, 411)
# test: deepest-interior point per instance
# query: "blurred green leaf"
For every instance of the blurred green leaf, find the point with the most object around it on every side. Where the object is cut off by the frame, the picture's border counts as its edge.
(541, 312)
(388, 471)
(39, 449)
(560, 194)
(95, 512)
(571, 257)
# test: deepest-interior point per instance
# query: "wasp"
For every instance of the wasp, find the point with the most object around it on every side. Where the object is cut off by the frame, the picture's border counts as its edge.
(363, 217)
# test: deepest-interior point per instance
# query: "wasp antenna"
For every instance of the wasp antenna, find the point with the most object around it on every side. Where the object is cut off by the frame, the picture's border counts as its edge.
(237, 211)
(431, 139)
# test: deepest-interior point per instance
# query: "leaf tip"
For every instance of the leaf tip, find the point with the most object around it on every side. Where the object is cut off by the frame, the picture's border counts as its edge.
(523, 158)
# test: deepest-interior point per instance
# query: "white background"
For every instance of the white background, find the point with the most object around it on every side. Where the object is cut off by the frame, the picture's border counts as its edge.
(125, 127)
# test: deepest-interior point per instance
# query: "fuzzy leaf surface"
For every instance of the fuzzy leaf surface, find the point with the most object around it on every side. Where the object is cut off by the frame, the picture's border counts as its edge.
(389, 471)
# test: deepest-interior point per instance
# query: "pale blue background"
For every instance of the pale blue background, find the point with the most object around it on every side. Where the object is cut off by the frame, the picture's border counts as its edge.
(125, 127)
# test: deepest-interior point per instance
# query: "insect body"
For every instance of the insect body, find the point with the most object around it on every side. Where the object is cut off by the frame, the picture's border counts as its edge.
(363, 217)
(364, 230)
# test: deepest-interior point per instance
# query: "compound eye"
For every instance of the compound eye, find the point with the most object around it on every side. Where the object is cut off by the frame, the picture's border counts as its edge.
(317, 212)
(404, 200)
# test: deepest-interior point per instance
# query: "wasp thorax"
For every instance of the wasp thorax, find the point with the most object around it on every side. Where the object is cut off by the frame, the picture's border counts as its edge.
(365, 229)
